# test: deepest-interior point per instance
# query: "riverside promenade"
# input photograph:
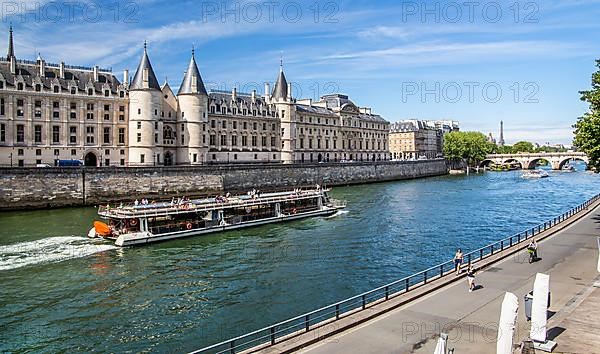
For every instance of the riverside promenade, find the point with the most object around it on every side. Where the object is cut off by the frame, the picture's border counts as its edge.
(569, 254)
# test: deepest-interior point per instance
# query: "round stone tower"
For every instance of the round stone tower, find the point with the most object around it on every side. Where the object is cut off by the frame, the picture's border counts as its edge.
(282, 99)
(192, 115)
(145, 105)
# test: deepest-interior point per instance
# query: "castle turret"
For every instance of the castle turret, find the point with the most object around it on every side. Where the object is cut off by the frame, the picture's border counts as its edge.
(282, 99)
(145, 105)
(192, 115)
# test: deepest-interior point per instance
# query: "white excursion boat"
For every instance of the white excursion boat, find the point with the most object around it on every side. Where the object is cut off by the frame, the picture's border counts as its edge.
(535, 174)
(140, 224)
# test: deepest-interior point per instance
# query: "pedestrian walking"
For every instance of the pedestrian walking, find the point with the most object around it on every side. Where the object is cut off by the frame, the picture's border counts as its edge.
(471, 278)
(458, 259)
(532, 250)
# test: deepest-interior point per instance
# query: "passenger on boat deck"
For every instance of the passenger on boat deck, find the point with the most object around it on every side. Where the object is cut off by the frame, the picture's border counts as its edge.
(121, 205)
(136, 203)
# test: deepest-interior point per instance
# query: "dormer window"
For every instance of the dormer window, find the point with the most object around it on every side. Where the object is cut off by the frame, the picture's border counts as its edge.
(38, 87)
(73, 90)
(56, 90)
(106, 93)
(90, 92)
(20, 86)
(122, 94)
(234, 111)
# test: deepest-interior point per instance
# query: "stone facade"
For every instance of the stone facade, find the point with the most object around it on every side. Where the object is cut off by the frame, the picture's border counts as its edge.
(54, 112)
(58, 187)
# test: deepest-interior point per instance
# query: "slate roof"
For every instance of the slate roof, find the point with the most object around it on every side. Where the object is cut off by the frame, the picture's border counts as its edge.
(191, 77)
(138, 80)
(29, 72)
(281, 87)
(243, 100)
(314, 110)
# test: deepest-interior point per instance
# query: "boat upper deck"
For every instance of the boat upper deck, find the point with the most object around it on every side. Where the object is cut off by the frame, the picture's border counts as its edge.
(201, 205)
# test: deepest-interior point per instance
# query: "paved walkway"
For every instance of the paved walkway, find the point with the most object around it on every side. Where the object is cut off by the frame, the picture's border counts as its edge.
(570, 257)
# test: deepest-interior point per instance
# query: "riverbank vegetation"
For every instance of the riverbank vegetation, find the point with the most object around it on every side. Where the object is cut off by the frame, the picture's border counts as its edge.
(470, 147)
(587, 128)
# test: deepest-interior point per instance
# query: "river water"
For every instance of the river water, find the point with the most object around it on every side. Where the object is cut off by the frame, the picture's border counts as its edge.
(60, 292)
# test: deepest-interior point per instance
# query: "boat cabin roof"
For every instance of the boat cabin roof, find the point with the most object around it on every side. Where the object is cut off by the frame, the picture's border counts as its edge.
(198, 205)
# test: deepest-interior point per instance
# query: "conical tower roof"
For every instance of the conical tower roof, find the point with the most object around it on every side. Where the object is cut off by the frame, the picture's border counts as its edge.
(281, 86)
(192, 81)
(138, 80)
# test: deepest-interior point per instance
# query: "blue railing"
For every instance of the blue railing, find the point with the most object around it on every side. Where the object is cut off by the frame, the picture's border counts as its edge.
(278, 332)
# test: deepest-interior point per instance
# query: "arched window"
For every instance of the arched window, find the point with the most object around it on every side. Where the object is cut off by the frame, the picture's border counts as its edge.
(168, 133)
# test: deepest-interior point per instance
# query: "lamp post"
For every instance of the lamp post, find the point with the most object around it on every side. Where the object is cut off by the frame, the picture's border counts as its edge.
(11, 160)
(228, 157)
(154, 159)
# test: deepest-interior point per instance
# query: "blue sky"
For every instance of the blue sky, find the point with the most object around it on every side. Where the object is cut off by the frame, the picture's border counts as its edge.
(475, 62)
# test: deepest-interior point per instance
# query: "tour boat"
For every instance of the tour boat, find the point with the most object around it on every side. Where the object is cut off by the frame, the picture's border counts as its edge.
(151, 222)
(535, 174)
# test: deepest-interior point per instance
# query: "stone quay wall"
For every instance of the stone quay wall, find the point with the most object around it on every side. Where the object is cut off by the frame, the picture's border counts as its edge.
(25, 188)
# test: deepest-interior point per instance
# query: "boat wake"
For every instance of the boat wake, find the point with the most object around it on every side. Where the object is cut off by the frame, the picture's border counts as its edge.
(338, 213)
(48, 250)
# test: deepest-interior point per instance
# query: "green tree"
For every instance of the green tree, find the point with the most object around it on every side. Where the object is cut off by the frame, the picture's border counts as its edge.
(523, 146)
(587, 128)
(504, 149)
(471, 147)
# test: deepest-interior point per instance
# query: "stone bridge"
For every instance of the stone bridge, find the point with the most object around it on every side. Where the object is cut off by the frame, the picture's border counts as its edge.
(529, 160)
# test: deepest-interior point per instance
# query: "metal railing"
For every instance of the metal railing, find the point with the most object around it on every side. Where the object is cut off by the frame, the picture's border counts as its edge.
(283, 330)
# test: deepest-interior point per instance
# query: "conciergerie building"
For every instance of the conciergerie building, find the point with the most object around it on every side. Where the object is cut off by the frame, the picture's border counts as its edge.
(56, 112)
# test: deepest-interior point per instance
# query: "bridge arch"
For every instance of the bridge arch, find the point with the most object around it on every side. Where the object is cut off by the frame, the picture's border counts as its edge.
(533, 163)
(486, 163)
(512, 160)
(563, 162)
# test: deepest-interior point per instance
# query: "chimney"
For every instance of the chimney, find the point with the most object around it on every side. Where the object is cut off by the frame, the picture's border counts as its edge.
(234, 94)
(126, 77)
(42, 66)
(13, 65)
(253, 96)
(61, 70)
(267, 90)
(95, 73)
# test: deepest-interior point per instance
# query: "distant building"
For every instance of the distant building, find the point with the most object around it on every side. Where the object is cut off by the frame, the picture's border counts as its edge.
(413, 139)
